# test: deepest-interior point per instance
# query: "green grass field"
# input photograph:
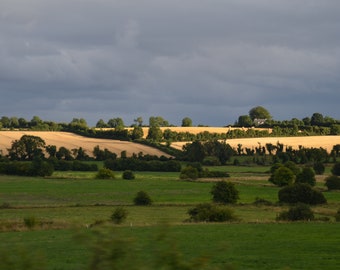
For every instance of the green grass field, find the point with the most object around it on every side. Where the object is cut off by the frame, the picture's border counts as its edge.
(68, 203)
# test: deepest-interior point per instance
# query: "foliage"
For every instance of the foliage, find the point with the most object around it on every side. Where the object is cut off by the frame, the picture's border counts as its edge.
(297, 212)
(336, 169)
(301, 192)
(37, 167)
(244, 121)
(211, 161)
(189, 172)
(282, 176)
(332, 182)
(307, 175)
(319, 168)
(337, 216)
(155, 134)
(186, 122)
(30, 222)
(207, 212)
(26, 148)
(128, 175)
(119, 215)
(105, 173)
(142, 198)
(134, 164)
(101, 155)
(224, 192)
(259, 112)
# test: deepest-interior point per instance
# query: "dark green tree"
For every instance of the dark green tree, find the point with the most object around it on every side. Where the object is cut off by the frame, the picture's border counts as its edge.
(282, 177)
(244, 121)
(186, 122)
(194, 151)
(101, 124)
(317, 119)
(259, 112)
(137, 133)
(116, 123)
(307, 175)
(27, 148)
(225, 193)
(155, 134)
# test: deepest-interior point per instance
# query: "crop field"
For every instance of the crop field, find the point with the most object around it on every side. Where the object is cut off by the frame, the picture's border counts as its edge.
(71, 141)
(71, 216)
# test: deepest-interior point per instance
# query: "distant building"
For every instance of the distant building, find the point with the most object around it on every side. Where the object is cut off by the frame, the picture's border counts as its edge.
(259, 121)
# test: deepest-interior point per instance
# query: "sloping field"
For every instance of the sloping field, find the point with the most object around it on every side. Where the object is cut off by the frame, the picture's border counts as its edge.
(71, 141)
(326, 142)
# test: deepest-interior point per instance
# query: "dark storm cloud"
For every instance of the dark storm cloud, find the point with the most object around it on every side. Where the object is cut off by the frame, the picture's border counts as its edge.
(211, 61)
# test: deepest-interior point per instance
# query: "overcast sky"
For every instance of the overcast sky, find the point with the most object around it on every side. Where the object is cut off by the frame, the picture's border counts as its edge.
(210, 60)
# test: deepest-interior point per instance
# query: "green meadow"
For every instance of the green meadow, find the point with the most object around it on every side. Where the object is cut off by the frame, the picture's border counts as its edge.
(71, 216)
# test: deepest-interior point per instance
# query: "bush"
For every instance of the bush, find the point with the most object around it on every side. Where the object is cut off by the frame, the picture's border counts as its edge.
(224, 192)
(105, 173)
(337, 216)
(30, 222)
(297, 212)
(332, 182)
(119, 215)
(307, 175)
(282, 176)
(319, 168)
(142, 198)
(336, 169)
(302, 193)
(189, 172)
(208, 212)
(211, 161)
(128, 175)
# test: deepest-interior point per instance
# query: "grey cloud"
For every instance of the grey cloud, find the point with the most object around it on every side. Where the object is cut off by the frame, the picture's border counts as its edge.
(211, 61)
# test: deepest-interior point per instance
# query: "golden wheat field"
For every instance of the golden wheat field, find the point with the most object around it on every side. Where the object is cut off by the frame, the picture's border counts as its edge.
(326, 142)
(71, 141)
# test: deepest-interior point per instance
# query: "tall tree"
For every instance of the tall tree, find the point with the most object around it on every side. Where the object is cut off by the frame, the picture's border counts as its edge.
(244, 121)
(186, 122)
(259, 112)
(27, 148)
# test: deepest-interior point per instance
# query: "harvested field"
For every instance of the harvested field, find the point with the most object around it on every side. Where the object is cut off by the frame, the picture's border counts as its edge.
(71, 141)
(326, 142)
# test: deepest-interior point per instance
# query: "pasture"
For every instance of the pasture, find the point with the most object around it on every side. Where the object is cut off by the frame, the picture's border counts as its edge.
(69, 204)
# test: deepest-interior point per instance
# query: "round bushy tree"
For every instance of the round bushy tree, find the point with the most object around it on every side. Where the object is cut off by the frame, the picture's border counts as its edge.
(128, 175)
(319, 168)
(189, 172)
(336, 169)
(307, 175)
(208, 212)
(282, 177)
(332, 182)
(224, 192)
(142, 198)
(301, 192)
(105, 173)
(299, 211)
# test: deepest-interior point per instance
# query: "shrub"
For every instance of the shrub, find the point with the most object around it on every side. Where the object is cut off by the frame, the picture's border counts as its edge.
(208, 212)
(332, 182)
(319, 168)
(105, 173)
(211, 161)
(224, 192)
(119, 215)
(142, 198)
(282, 176)
(260, 201)
(307, 175)
(336, 169)
(128, 175)
(302, 193)
(297, 212)
(189, 172)
(30, 222)
(292, 166)
(337, 216)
